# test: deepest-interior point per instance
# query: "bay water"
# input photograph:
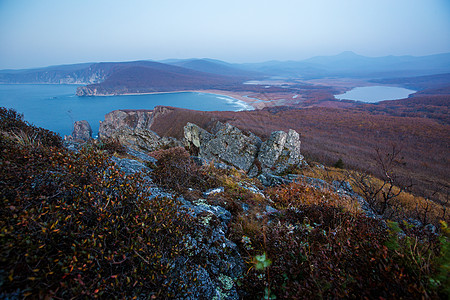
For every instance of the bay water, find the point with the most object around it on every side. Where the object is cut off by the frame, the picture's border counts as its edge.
(56, 107)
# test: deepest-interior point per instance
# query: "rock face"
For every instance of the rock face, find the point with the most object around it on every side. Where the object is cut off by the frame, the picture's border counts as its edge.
(226, 143)
(142, 139)
(82, 131)
(279, 152)
(132, 128)
(245, 151)
(132, 119)
(212, 258)
(118, 119)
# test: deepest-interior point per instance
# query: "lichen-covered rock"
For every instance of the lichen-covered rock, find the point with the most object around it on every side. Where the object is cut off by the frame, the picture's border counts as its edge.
(279, 152)
(292, 147)
(221, 264)
(212, 259)
(245, 151)
(132, 128)
(209, 270)
(232, 146)
(142, 139)
(82, 131)
(195, 135)
(119, 119)
(132, 119)
(226, 143)
(272, 149)
(130, 166)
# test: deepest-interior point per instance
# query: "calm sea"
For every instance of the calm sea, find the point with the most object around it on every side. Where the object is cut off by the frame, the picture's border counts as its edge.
(55, 107)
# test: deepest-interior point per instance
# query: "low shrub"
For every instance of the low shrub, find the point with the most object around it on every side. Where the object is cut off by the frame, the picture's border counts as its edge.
(13, 125)
(72, 225)
(112, 146)
(176, 170)
(298, 194)
(319, 248)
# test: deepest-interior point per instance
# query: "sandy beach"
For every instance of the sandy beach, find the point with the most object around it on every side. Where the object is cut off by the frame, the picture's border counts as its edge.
(241, 96)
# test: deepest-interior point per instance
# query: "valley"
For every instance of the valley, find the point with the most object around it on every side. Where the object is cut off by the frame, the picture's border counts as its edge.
(297, 95)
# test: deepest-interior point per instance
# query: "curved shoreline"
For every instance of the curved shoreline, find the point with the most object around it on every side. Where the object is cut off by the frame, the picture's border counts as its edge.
(249, 103)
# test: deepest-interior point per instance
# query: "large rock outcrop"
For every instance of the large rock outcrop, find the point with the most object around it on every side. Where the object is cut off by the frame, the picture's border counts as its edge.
(82, 131)
(131, 119)
(142, 139)
(278, 153)
(245, 151)
(132, 128)
(226, 143)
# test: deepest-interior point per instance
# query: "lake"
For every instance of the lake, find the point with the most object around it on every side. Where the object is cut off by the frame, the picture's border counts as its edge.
(56, 107)
(372, 94)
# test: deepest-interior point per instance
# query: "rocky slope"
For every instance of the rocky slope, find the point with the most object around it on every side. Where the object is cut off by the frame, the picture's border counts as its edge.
(329, 134)
(225, 143)
(99, 220)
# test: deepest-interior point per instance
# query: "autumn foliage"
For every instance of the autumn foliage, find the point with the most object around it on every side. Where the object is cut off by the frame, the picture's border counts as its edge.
(320, 248)
(72, 225)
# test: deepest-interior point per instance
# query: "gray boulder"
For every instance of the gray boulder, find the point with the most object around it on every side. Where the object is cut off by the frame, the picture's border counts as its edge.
(278, 153)
(119, 119)
(132, 128)
(132, 119)
(82, 131)
(227, 144)
(245, 151)
(196, 136)
(142, 139)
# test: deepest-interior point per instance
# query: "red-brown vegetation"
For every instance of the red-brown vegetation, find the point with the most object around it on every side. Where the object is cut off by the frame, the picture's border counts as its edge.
(317, 248)
(72, 225)
(319, 243)
(434, 107)
(330, 134)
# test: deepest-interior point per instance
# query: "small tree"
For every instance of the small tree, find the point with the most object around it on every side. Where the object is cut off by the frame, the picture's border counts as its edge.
(339, 164)
(381, 194)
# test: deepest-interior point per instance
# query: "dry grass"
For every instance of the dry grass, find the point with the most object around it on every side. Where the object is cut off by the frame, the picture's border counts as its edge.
(298, 194)
(408, 204)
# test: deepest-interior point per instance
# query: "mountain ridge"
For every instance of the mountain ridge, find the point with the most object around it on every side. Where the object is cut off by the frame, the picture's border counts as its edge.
(113, 78)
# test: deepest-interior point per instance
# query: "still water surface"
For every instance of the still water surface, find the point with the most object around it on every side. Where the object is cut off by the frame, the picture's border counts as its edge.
(372, 94)
(55, 107)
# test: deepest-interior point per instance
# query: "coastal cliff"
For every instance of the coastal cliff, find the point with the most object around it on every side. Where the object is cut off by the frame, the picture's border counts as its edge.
(65, 74)
(133, 128)
(132, 119)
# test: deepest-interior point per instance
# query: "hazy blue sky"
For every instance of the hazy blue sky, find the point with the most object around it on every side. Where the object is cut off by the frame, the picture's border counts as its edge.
(48, 32)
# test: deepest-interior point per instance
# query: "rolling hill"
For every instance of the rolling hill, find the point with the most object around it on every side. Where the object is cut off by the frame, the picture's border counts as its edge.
(147, 77)
(185, 74)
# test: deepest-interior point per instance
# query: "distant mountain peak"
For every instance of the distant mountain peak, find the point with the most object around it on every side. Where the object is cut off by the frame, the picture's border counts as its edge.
(348, 54)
